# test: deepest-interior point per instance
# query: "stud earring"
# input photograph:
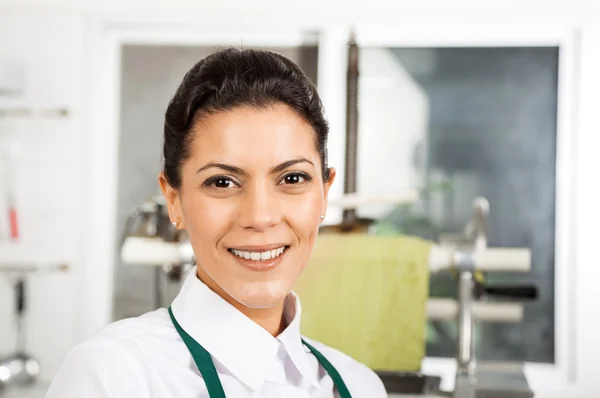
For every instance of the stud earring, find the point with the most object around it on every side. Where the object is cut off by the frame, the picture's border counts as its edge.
(322, 217)
(175, 224)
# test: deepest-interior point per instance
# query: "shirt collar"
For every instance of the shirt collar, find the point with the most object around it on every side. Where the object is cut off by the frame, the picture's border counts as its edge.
(291, 339)
(243, 347)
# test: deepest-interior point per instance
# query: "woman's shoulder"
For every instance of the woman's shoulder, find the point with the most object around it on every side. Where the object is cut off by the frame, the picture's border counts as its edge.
(131, 337)
(115, 358)
(358, 376)
(151, 325)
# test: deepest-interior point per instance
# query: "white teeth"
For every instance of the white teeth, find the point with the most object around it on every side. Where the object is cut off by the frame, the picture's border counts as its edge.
(267, 255)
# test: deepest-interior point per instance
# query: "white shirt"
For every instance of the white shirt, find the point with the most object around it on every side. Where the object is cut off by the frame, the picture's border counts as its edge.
(145, 357)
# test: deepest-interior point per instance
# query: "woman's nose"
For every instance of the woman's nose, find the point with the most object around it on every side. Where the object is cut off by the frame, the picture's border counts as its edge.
(260, 208)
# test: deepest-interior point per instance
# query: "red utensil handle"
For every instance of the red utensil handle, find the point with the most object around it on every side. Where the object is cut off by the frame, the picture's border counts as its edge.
(14, 224)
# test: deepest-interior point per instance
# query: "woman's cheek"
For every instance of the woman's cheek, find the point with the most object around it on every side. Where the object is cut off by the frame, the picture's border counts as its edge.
(304, 214)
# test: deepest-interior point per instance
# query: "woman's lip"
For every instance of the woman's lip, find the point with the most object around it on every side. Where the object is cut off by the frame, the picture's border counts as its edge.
(260, 265)
(259, 248)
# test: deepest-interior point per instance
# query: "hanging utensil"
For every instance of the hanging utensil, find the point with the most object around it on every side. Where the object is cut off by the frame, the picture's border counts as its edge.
(20, 368)
(9, 157)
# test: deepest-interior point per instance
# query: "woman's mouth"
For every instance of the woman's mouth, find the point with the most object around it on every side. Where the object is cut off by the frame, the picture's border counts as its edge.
(259, 258)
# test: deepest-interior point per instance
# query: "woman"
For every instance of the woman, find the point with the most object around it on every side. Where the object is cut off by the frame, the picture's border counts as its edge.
(245, 174)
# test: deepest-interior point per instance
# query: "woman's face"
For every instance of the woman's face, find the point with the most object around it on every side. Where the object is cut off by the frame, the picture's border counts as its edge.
(251, 199)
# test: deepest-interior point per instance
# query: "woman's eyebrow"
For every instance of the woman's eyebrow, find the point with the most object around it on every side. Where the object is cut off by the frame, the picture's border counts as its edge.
(239, 171)
(289, 163)
(223, 166)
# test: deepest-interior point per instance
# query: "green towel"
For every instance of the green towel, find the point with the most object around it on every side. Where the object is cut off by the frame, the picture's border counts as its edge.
(366, 296)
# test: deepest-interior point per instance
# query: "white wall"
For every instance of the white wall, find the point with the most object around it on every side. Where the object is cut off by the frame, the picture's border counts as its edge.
(50, 179)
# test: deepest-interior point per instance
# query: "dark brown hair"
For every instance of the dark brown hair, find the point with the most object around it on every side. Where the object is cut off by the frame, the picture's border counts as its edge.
(233, 78)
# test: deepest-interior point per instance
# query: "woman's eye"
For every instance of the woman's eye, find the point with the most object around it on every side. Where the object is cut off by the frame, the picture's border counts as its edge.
(295, 178)
(220, 182)
(223, 183)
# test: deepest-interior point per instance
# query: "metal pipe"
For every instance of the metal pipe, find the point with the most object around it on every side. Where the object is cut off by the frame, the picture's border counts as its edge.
(465, 322)
(488, 260)
(349, 215)
(440, 309)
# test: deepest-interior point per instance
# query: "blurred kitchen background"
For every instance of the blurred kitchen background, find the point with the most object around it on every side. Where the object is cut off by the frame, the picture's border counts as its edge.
(457, 98)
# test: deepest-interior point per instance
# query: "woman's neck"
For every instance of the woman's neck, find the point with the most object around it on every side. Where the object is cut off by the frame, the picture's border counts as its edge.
(270, 319)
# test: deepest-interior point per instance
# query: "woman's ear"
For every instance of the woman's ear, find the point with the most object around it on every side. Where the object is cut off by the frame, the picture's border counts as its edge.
(173, 201)
(326, 187)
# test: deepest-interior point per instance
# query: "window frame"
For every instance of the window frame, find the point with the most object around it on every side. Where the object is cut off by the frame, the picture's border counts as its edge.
(428, 32)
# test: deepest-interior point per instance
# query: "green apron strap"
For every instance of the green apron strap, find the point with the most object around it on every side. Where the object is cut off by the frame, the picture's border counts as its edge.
(203, 360)
(333, 373)
(209, 373)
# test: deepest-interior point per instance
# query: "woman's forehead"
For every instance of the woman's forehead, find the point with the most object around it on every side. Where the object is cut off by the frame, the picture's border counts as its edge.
(274, 132)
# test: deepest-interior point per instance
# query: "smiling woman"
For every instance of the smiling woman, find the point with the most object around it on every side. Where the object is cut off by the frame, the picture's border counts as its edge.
(252, 183)
(245, 174)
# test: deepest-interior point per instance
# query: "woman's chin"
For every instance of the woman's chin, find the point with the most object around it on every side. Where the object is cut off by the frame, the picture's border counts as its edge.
(260, 303)
(260, 295)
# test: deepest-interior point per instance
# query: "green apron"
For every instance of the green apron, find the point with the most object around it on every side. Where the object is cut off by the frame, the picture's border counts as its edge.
(211, 378)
